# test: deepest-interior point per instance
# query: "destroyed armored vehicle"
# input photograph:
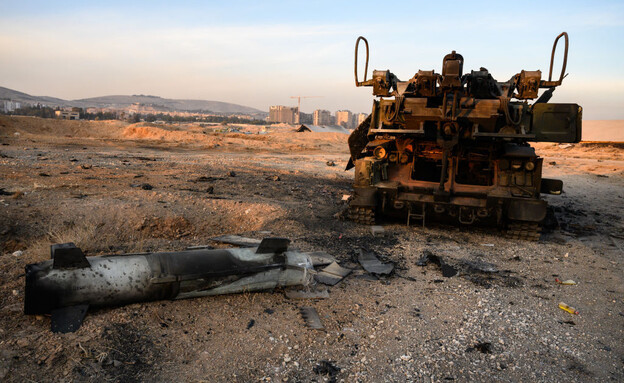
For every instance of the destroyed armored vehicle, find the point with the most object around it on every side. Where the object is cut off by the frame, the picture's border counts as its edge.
(455, 146)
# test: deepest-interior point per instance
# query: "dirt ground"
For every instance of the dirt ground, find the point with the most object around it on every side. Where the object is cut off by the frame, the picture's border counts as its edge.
(115, 188)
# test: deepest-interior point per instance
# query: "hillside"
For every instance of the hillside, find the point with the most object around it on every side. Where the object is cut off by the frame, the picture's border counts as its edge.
(121, 101)
(10, 94)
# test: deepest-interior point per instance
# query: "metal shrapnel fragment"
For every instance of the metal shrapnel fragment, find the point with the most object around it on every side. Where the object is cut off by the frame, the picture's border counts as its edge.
(311, 318)
(370, 263)
(332, 274)
(321, 258)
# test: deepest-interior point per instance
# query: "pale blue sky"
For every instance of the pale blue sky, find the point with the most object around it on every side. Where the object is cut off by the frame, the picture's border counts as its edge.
(260, 53)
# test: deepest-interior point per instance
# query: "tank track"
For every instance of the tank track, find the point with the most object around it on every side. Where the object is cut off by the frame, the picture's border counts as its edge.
(527, 231)
(362, 215)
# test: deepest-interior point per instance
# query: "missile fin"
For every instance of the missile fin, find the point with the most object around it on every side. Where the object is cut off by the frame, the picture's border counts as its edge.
(68, 256)
(68, 319)
(273, 245)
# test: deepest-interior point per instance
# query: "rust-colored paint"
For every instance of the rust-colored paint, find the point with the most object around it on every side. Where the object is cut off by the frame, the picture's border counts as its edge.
(455, 146)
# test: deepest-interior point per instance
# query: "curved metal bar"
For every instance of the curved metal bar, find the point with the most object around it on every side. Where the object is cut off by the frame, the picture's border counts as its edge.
(565, 57)
(357, 43)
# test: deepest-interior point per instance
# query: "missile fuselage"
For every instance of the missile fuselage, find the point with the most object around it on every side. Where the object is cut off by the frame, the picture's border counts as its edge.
(70, 280)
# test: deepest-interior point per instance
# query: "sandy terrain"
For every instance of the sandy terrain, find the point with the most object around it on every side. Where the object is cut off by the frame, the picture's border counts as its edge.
(84, 182)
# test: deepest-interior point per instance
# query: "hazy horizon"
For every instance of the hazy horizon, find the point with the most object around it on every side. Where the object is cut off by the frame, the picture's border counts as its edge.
(259, 55)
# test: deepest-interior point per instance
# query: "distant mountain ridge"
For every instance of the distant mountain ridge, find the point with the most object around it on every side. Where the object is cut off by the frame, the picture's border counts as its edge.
(10, 94)
(121, 101)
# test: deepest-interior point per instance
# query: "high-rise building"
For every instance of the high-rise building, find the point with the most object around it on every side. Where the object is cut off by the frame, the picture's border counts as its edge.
(322, 117)
(285, 114)
(305, 118)
(344, 118)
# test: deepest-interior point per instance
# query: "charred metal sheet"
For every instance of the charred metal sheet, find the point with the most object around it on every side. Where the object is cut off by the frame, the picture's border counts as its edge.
(332, 274)
(65, 290)
(311, 318)
(370, 263)
(299, 294)
(237, 240)
(366, 277)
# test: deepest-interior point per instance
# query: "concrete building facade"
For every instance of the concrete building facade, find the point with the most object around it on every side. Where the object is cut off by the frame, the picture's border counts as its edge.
(67, 115)
(285, 114)
(10, 106)
(305, 118)
(322, 117)
(344, 118)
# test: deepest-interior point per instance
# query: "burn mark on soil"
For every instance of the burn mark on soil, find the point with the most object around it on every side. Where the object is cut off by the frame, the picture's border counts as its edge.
(134, 352)
(348, 246)
(580, 222)
(327, 368)
(447, 270)
(483, 347)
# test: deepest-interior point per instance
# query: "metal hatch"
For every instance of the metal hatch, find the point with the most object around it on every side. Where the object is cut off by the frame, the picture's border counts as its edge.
(556, 122)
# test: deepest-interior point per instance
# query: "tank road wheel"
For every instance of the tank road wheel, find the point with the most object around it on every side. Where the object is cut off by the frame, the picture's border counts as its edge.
(528, 231)
(362, 215)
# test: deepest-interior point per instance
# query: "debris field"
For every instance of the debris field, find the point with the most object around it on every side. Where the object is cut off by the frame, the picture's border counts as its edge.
(440, 303)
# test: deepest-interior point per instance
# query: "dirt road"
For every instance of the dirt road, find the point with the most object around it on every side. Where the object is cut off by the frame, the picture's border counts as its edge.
(114, 188)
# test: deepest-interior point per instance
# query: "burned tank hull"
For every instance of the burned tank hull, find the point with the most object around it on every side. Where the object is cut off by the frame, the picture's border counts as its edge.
(455, 147)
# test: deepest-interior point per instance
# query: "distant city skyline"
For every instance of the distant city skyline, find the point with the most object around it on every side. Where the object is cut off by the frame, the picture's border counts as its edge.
(262, 54)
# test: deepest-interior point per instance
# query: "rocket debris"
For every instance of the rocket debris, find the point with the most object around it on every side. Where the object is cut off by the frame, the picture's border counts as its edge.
(69, 283)
(372, 264)
(321, 258)
(332, 274)
(311, 318)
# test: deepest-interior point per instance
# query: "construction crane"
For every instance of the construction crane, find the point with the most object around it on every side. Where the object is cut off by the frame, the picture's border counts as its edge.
(299, 104)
